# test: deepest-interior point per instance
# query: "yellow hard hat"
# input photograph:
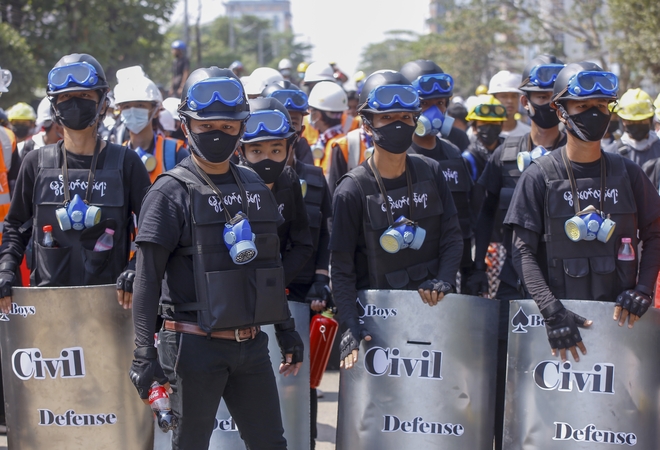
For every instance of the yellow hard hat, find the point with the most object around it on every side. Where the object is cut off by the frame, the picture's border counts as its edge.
(481, 90)
(302, 67)
(635, 104)
(488, 109)
(359, 76)
(657, 108)
(21, 111)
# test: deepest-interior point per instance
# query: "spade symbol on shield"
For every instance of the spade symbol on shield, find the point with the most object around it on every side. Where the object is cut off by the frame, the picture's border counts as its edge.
(361, 311)
(520, 321)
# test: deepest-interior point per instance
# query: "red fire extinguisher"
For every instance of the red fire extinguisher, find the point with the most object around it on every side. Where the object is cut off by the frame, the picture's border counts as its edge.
(322, 333)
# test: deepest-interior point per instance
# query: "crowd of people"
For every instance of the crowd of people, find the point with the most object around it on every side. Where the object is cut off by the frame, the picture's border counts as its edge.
(230, 194)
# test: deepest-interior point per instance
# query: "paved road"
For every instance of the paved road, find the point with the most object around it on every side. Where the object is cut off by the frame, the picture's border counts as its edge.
(327, 415)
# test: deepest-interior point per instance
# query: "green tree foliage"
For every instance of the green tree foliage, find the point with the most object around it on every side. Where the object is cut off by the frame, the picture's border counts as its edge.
(118, 33)
(634, 37)
(391, 54)
(16, 56)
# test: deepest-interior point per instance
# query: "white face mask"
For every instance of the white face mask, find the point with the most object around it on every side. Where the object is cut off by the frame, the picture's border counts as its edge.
(136, 119)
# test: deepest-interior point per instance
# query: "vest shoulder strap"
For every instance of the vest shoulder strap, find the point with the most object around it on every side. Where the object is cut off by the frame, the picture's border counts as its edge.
(353, 140)
(549, 168)
(513, 145)
(421, 167)
(169, 153)
(49, 157)
(114, 157)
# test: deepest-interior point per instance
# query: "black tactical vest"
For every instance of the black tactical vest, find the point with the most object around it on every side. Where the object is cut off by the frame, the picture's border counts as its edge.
(233, 296)
(313, 176)
(283, 191)
(408, 268)
(73, 262)
(588, 270)
(460, 184)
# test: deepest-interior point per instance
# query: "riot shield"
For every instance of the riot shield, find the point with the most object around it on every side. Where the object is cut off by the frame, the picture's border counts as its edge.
(426, 380)
(66, 353)
(611, 396)
(293, 392)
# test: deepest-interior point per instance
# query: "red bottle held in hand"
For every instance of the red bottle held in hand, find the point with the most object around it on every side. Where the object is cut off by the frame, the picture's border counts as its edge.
(322, 332)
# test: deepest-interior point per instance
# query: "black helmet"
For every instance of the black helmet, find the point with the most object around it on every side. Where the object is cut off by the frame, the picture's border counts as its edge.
(415, 69)
(216, 110)
(382, 78)
(526, 84)
(72, 86)
(266, 104)
(560, 90)
(278, 86)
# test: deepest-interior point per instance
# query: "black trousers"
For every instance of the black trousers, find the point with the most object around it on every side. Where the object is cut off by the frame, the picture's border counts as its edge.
(202, 371)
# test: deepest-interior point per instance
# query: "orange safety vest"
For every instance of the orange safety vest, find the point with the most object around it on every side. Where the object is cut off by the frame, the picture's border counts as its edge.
(311, 135)
(353, 154)
(8, 145)
(326, 162)
(158, 154)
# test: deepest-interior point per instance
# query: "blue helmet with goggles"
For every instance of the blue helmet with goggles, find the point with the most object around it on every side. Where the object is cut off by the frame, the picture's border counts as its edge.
(269, 120)
(540, 74)
(585, 80)
(429, 79)
(290, 95)
(76, 72)
(388, 92)
(213, 94)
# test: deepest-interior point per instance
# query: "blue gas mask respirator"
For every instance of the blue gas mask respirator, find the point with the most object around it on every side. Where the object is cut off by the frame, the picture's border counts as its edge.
(588, 225)
(432, 121)
(147, 159)
(402, 234)
(77, 215)
(525, 158)
(239, 239)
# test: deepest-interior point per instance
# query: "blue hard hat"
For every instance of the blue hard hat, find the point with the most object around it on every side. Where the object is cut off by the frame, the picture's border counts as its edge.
(178, 45)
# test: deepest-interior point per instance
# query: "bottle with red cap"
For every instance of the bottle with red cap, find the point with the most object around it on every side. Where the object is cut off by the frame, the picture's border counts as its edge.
(48, 240)
(322, 332)
(159, 400)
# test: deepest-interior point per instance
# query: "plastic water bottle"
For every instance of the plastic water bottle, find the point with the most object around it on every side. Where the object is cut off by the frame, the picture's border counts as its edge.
(48, 237)
(104, 243)
(159, 400)
(626, 251)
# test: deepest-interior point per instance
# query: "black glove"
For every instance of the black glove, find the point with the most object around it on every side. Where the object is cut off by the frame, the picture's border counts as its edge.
(7, 280)
(289, 341)
(350, 340)
(477, 282)
(635, 302)
(145, 369)
(320, 290)
(562, 325)
(125, 281)
(441, 287)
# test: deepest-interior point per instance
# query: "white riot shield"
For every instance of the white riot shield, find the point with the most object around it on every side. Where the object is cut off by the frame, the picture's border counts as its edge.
(293, 392)
(426, 380)
(609, 399)
(66, 353)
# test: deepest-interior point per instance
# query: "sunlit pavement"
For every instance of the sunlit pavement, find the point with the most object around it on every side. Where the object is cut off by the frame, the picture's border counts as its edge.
(327, 415)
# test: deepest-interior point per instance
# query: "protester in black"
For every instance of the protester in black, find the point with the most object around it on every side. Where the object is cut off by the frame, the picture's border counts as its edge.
(208, 236)
(554, 253)
(366, 253)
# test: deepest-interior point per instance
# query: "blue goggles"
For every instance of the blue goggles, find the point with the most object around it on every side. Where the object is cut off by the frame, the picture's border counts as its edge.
(271, 122)
(227, 91)
(384, 97)
(544, 75)
(438, 83)
(291, 99)
(586, 83)
(80, 73)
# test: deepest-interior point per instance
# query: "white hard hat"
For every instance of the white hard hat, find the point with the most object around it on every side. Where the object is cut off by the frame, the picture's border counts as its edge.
(328, 96)
(43, 112)
(172, 105)
(505, 81)
(285, 64)
(260, 79)
(5, 79)
(166, 120)
(319, 71)
(134, 86)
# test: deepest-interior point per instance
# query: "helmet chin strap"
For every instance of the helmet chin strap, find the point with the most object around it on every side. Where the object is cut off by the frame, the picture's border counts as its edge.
(570, 122)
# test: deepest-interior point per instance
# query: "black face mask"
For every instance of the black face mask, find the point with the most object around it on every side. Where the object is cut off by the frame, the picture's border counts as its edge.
(77, 113)
(267, 169)
(213, 146)
(489, 134)
(613, 127)
(22, 131)
(544, 116)
(592, 123)
(638, 131)
(395, 137)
